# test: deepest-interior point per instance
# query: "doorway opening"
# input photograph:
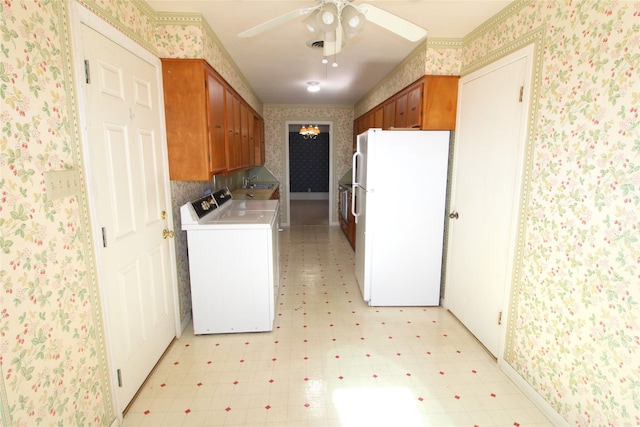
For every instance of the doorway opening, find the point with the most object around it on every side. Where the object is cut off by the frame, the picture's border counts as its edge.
(309, 163)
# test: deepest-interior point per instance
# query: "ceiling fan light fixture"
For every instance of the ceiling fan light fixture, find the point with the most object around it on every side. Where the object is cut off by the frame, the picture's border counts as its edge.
(311, 22)
(352, 20)
(328, 17)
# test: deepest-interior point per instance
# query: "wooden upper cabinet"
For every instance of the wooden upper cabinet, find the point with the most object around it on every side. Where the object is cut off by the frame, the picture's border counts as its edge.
(244, 134)
(259, 146)
(389, 114)
(252, 139)
(234, 132)
(428, 104)
(190, 144)
(378, 117)
(414, 107)
(440, 103)
(216, 106)
(237, 129)
(210, 128)
(401, 111)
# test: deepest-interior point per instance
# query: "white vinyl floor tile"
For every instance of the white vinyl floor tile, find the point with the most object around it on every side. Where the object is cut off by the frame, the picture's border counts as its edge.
(332, 361)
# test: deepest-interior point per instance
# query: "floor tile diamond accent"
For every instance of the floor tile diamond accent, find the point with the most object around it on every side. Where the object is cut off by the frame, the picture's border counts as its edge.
(352, 357)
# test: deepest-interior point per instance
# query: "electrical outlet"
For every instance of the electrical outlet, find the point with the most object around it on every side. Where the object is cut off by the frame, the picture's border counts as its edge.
(62, 183)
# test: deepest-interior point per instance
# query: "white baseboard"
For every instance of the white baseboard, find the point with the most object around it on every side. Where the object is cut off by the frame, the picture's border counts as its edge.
(544, 407)
(308, 196)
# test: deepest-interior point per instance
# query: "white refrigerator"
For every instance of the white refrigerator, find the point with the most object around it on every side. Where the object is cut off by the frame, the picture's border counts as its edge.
(399, 196)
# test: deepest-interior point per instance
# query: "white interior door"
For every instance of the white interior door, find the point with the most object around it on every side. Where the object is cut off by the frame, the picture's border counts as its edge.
(489, 148)
(129, 179)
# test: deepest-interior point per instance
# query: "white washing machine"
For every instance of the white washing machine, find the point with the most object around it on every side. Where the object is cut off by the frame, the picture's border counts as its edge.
(233, 262)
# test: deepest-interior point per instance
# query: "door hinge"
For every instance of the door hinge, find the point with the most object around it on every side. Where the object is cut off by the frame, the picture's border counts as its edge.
(500, 318)
(87, 72)
(521, 93)
(104, 237)
(119, 372)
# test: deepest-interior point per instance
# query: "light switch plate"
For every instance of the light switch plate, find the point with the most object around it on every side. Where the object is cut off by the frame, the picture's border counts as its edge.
(62, 183)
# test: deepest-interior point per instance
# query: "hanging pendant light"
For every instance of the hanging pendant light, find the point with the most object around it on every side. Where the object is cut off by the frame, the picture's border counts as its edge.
(309, 132)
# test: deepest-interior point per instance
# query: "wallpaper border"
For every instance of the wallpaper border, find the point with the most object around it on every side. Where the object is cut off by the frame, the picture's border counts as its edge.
(536, 38)
(441, 43)
(144, 9)
(77, 152)
(501, 16)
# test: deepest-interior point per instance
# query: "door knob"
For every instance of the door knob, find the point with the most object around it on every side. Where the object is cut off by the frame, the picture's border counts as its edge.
(453, 215)
(166, 234)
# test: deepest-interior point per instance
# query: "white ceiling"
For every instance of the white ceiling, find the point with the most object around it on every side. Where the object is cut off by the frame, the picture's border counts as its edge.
(278, 63)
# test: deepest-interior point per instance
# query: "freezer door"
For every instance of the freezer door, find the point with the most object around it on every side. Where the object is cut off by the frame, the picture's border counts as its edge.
(360, 197)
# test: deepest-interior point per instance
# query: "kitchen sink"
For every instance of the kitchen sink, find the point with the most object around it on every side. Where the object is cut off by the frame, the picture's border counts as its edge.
(261, 186)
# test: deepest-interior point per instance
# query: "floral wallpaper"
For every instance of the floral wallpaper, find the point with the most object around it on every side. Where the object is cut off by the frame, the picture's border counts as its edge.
(575, 320)
(52, 349)
(574, 332)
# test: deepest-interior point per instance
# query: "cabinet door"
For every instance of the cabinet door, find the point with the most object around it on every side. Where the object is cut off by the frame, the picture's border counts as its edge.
(230, 140)
(259, 141)
(389, 114)
(440, 102)
(252, 140)
(185, 102)
(414, 107)
(378, 116)
(244, 134)
(401, 111)
(237, 117)
(216, 106)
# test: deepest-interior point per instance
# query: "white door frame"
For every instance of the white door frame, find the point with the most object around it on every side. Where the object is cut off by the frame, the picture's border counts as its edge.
(80, 15)
(528, 53)
(287, 196)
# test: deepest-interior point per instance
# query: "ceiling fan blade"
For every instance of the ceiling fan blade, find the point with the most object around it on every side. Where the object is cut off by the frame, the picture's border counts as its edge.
(261, 28)
(393, 23)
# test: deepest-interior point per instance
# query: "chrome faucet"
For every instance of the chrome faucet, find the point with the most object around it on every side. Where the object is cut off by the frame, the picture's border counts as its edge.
(246, 181)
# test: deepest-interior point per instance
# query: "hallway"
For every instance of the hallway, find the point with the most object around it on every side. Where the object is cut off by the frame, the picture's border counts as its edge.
(332, 361)
(309, 212)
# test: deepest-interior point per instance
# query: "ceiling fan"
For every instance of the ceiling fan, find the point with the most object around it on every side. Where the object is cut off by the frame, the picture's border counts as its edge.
(337, 20)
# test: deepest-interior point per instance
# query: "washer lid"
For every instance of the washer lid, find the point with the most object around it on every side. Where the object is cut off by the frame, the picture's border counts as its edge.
(254, 205)
(232, 219)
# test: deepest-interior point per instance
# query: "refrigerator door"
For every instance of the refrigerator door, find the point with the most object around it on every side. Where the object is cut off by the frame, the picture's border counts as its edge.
(360, 197)
(405, 210)
(358, 209)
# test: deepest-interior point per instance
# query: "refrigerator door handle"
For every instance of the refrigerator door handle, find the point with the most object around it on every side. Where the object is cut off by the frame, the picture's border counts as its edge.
(353, 203)
(355, 184)
(354, 171)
